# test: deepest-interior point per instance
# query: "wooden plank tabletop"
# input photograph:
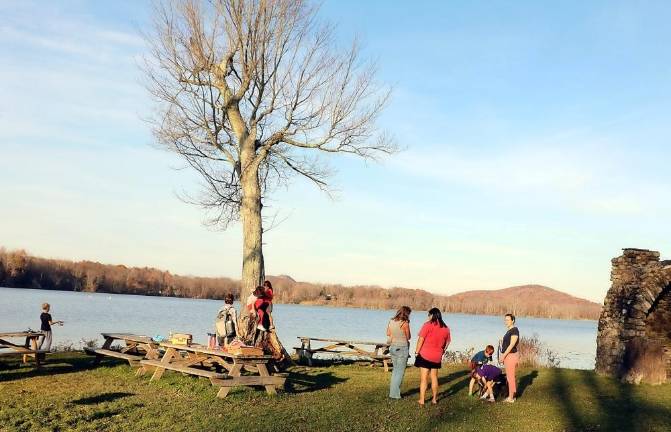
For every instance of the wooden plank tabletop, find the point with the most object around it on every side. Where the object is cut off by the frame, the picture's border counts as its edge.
(129, 337)
(21, 334)
(197, 348)
(344, 341)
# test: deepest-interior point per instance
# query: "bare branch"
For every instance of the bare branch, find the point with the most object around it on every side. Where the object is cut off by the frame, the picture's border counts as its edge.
(258, 89)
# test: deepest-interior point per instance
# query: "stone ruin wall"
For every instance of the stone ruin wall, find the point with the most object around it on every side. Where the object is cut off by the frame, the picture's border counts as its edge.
(637, 308)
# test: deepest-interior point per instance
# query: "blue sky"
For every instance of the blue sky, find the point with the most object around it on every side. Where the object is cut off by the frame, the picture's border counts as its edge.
(536, 138)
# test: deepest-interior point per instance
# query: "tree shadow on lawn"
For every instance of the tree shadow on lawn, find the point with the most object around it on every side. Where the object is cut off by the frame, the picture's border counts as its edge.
(525, 382)
(103, 397)
(17, 370)
(305, 381)
(444, 380)
(99, 415)
(617, 408)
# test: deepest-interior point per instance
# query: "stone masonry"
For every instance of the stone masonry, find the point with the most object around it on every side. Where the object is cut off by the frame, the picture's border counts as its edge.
(637, 306)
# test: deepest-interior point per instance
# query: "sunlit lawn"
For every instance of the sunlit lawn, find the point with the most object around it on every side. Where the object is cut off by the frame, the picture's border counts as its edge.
(70, 394)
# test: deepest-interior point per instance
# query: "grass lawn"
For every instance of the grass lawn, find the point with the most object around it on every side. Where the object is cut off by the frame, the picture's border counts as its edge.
(70, 394)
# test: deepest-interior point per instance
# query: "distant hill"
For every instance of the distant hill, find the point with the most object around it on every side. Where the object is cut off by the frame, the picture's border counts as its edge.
(534, 300)
(526, 300)
(21, 270)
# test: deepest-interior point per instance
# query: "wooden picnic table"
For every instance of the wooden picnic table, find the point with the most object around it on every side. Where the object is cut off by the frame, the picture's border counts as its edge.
(27, 350)
(200, 361)
(136, 348)
(377, 354)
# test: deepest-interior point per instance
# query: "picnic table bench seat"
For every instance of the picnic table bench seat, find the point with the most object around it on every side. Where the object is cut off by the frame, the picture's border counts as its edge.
(23, 351)
(137, 348)
(28, 349)
(184, 369)
(131, 358)
(378, 354)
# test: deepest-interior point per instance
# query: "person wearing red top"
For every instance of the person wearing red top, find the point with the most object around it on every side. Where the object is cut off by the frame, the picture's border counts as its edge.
(262, 316)
(434, 338)
(268, 292)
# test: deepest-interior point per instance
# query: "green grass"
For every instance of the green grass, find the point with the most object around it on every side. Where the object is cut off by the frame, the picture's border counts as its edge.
(70, 394)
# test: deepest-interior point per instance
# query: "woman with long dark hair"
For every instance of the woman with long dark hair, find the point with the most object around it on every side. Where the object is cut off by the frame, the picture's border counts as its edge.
(434, 338)
(262, 317)
(398, 332)
(509, 354)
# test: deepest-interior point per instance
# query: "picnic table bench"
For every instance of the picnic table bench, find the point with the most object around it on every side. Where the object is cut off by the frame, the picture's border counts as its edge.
(137, 348)
(377, 354)
(199, 360)
(29, 348)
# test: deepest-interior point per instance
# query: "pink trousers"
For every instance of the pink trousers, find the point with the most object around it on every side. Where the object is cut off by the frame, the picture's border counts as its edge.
(510, 363)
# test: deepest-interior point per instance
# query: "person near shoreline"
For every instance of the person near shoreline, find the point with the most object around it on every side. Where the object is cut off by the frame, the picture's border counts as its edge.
(248, 320)
(268, 292)
(434, 338)
(480, 358)
(262, 316)
(509, 355)
(46, 321)
(486, 374)
(398, 333)
(227, 322)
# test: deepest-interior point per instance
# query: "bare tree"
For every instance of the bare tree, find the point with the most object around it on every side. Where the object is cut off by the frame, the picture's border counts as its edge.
(250, 93)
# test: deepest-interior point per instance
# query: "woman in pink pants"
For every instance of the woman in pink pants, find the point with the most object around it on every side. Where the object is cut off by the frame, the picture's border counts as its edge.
(509, 355)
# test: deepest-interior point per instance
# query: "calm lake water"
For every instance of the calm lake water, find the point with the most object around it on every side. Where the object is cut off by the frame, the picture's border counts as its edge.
(86, 315)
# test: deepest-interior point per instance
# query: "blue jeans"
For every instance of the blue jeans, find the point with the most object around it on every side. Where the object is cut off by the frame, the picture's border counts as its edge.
(399, 358)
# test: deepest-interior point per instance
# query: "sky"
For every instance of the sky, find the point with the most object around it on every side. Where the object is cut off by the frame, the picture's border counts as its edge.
(535, 137)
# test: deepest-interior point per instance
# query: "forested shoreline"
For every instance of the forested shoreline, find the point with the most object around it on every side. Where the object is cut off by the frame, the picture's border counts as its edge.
(18, 269)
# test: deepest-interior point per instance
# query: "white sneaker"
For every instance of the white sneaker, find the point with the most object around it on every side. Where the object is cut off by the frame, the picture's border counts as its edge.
(483, 397)
(508, 400)
(492, 400)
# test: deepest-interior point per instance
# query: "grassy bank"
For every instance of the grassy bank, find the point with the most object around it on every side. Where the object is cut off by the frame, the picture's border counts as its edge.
(69, 394)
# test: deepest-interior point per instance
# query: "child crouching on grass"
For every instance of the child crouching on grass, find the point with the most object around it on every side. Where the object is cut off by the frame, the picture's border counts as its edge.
(487, 374)
(480, 358)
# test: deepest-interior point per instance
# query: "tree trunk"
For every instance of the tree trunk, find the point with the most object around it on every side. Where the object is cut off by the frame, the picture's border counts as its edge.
(253, 272)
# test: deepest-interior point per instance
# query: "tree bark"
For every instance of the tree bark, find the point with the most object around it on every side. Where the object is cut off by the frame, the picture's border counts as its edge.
(253, 272)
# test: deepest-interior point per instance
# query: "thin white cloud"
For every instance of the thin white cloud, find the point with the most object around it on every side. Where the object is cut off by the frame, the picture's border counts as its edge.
(583, 176)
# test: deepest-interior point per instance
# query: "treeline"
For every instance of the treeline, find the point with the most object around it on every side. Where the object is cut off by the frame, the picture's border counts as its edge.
(21, 270)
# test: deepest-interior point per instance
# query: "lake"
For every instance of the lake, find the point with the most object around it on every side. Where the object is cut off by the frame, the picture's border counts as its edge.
(86, 315)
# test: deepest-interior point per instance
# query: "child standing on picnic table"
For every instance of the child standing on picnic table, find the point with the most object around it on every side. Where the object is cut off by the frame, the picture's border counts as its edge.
(45, 327)
(268, 292)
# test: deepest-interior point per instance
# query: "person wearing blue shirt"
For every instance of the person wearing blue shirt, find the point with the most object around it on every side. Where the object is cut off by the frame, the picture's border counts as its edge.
(480, 358)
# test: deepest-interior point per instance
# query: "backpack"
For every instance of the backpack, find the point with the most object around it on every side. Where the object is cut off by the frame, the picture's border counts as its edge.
(225, 325)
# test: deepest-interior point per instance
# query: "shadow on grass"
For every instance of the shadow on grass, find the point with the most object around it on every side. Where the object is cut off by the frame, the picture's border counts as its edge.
(525, 382)
(444, 380)
(17, 371)
(617, 408)
(100, 415)
(103, 397)
(299, 381)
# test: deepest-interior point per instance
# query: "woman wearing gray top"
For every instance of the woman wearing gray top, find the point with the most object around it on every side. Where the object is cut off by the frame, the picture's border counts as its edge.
(398, 333)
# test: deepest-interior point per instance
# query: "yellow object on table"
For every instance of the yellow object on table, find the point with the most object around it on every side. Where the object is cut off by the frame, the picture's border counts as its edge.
(181, 339)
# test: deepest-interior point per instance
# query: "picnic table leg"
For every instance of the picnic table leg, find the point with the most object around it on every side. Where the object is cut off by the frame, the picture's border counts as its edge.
(234, 372)
(106, 345)
(169, 354)
(37, 356)
(263, 371)
(152, 354)
(26, 345)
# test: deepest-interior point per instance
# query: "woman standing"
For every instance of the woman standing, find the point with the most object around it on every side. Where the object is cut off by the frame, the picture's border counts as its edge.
(434, 338)
(262, 316)
(509, 355)
(398, 332)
